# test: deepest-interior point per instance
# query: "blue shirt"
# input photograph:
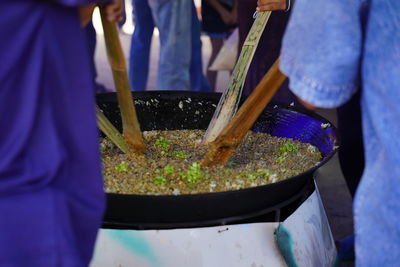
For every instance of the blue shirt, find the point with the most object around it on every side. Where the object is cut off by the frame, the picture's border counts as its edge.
(51, 193)
(331, 47)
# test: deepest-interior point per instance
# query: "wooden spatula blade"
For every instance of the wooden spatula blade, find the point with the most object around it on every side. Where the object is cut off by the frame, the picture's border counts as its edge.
(226, 143)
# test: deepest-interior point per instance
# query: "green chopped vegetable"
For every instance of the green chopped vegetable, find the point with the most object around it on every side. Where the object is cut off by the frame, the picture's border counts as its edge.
(228, 172)
(169, 169)
(122, 167)
(180, 155)
(287, 148)
(232, 164)
(251, 176)
(194, 173)
(260, 173)
(163, 143)
(160, 180)
(263, 173)
(280, 159)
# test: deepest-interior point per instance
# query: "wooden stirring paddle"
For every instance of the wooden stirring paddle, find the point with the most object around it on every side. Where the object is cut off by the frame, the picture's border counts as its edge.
(111, 132)
(229, 139)
(229, 100)
(130, 124)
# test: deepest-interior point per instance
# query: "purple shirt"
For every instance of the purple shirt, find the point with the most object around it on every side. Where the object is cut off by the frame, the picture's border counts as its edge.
(51, 193)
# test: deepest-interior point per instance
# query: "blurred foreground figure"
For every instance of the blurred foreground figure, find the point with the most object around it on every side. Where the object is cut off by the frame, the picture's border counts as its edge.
(51, 191)
(326, 61)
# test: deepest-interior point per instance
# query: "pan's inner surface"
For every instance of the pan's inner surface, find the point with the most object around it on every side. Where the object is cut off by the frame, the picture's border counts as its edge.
(171, 164)
(173, 110)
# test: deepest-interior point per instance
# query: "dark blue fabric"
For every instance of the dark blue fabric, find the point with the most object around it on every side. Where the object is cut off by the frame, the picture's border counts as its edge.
(51, 196)
(91, 40)
(140, 45)
(351, 152)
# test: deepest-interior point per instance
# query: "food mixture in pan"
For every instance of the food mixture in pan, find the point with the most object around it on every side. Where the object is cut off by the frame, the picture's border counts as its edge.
(171, 164)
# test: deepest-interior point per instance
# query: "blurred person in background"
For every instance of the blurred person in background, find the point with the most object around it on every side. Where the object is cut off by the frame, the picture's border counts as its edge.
(180, 62)
(219, 18)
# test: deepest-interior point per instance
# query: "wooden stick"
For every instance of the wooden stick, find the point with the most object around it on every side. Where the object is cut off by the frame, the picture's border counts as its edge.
(229, 101)
(110, 131)
(130, 124)
(226, 143)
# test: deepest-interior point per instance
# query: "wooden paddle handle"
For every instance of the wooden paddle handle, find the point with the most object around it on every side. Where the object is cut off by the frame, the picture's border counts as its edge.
(230, 98)
(225, 144)
(110, 131)
(116, 58)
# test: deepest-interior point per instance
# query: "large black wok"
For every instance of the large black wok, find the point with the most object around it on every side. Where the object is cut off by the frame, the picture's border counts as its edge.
(192, 110)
